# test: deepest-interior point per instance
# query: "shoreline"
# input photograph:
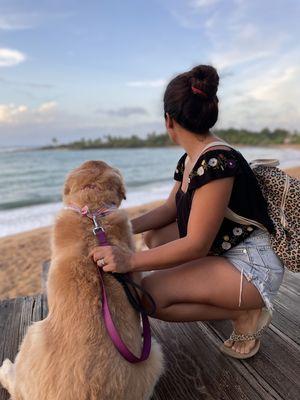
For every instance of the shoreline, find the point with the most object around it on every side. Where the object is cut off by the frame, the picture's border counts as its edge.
(22, 254)
(295, 146)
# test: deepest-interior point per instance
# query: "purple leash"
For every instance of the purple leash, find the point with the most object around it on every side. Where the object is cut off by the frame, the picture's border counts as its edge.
(118, 342)
(110, 326)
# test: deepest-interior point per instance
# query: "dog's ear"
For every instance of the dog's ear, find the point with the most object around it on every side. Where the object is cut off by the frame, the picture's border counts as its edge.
(66, 189)
(121, 186)
(122, 190)
(123, 194)
(120, 183)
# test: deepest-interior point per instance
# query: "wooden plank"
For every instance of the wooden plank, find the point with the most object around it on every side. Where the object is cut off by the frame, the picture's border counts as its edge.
(44, 274)
(197, 370)
(287, 312)
(195, 367)
(277, 363)
(291, 280)
(15, 317)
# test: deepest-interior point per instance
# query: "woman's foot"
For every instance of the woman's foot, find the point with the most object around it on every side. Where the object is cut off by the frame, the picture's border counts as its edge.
(246, 323)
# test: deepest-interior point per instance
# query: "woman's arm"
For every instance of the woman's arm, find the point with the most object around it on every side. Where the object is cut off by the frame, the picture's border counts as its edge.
(207, 213)
(159, 216)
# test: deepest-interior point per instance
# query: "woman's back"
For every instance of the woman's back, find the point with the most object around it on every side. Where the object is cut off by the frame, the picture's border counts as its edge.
(246, 197)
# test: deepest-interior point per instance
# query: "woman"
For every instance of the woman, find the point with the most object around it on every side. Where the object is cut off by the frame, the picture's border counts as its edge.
(205, 266)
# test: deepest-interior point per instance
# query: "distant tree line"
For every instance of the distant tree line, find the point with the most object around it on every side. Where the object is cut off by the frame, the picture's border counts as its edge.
(263, 137)
(231, 135)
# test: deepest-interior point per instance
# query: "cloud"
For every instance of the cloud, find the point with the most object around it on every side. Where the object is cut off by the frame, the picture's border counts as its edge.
(12, 22)
(264, 97)
(262, 57)
(10, 57)
(255, 47)
(28, 20)
(47, 107)
(145, 84)
(202, 3)
(124, 111)
(193, 14)
(236, 40)
(11, 114)
(33, 85)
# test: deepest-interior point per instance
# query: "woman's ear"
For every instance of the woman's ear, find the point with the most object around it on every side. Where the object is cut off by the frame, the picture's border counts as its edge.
(169, 121)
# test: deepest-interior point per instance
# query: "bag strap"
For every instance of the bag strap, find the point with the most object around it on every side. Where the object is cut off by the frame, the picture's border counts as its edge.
(216, 143)
(212, 144)
(268, 162)
(229, 214)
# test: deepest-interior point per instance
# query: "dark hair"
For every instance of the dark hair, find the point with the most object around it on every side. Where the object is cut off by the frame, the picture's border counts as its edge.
(190, 98)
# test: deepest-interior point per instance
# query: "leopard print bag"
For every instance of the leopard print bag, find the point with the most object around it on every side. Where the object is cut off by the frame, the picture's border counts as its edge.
(282, 194)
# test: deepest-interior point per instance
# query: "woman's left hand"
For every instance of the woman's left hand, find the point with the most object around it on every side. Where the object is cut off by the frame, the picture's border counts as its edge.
(116, 259)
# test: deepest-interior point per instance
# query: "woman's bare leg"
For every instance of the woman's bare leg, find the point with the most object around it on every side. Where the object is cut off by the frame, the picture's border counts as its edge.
(153, 238)
(157, 237)
(204, 289)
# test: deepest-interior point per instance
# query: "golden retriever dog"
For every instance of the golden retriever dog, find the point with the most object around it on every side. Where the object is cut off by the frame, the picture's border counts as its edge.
(69, 355)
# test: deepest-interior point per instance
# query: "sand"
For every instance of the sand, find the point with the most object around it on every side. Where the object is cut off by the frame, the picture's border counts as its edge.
(22, 254)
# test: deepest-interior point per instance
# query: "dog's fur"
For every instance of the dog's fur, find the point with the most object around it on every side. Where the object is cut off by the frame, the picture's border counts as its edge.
(69, 355)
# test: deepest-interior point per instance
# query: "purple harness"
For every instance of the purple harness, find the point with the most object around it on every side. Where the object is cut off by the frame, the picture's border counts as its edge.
(124, 279)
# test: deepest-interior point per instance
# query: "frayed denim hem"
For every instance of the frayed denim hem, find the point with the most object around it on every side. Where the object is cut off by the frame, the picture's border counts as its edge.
(256, 282)
(260, 287)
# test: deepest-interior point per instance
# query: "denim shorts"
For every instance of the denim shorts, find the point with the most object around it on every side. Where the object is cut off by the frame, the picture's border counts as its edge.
(257, 261)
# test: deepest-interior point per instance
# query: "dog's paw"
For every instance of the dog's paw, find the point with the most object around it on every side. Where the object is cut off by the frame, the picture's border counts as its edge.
(6, 373)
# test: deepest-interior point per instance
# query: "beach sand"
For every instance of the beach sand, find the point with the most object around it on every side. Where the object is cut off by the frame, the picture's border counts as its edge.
(22, 254)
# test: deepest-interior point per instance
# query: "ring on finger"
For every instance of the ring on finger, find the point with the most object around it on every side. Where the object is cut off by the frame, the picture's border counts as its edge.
(101, 262)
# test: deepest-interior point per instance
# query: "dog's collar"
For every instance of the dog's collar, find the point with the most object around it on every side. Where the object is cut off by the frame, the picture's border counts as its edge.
(100, 212)
(124, 279)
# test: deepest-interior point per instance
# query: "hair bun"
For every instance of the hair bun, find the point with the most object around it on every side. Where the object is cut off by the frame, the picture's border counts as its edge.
(204, 81)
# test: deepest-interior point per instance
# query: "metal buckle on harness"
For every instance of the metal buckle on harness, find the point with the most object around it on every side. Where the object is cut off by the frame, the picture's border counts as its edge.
(97, 227)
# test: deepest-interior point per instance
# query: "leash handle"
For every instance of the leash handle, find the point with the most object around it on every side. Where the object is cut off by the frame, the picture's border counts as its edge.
(110, 326)
(118, 342)
(124, 279)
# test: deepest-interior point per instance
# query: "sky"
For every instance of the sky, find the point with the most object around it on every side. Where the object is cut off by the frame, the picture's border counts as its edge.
(73, 69)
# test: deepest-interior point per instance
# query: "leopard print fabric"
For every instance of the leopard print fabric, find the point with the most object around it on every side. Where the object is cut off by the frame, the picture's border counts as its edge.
(282, 194)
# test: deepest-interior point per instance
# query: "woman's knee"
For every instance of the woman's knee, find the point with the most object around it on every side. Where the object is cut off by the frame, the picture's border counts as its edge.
(160, 236)
(149, 286)
(150, 238)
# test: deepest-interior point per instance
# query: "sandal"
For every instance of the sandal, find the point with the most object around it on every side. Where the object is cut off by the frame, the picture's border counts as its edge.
(263, 323)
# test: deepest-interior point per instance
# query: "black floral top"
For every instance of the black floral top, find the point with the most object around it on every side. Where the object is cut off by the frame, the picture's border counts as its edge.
(246, 197)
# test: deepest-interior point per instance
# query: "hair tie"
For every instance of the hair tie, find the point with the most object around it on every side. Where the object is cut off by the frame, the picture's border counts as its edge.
(196, 90)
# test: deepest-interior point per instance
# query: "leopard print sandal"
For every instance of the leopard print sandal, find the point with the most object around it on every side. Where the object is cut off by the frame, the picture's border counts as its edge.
(263, 323)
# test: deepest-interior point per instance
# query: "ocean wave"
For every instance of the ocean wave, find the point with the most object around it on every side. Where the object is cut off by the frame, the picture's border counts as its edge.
(35, 216)
(31, 203)
(27, 202)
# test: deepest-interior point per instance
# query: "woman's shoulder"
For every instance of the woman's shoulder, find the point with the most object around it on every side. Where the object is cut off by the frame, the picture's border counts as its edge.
(213, 164)
(178, 173)
(218, 158)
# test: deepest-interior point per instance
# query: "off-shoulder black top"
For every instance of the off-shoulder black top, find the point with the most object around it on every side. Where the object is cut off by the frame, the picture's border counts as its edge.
(246, 197)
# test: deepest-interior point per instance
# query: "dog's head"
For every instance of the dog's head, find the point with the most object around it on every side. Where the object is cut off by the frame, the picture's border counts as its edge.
(93, 183)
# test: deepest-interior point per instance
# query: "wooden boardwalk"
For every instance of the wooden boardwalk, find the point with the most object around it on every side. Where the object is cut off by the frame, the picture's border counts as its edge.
(195, 367)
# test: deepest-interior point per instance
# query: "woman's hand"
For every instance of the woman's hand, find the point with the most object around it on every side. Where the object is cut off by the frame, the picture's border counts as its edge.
(115, 259)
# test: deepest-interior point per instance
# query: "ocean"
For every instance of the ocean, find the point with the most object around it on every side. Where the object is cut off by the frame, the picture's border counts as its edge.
(31, 181)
